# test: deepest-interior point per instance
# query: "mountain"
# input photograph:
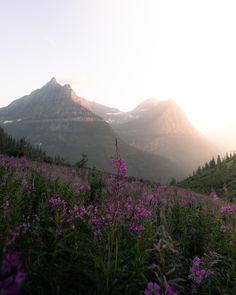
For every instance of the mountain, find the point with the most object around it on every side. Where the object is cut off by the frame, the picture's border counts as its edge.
(161, 127)
(52, 101)
(56, 119)
(110, 115)
(114, 116)
(144, 106)
(101, 110)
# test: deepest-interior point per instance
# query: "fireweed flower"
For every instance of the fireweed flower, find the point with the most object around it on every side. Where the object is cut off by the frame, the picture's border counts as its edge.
(170, 291)
(227, 209)
(152, 289)
(11, 275)
(120, 166)
(84, 187)
(215, 199)
(198, 274)
(136, 227)
(58, 232)
(24, 184)
(57, 202)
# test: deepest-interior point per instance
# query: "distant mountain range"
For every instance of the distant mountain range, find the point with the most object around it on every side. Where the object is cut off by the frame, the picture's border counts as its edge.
(156, 137)
(161, 128)
(62, 123)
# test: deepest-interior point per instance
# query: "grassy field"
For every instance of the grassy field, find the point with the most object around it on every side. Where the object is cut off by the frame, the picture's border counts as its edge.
(76, 231)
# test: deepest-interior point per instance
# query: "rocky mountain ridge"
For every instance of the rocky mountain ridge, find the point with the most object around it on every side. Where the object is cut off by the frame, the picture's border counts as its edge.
(56, 119)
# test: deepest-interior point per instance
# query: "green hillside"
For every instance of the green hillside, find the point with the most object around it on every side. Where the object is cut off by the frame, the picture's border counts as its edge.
(218, 176)
(22, 148)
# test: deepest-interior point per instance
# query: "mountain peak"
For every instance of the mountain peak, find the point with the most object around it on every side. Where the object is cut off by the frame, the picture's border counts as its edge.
(51, 101)
(146, 105)
(53, 81)
(172, 102)
(67, 86)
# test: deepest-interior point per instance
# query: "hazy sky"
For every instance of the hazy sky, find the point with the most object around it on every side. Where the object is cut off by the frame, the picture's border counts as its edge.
(120, 52)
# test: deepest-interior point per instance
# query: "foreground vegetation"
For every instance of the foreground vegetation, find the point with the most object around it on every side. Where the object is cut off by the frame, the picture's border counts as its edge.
(76, 231)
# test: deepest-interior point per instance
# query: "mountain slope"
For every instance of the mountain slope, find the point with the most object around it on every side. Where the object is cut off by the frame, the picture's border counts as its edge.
(22, 148)
(219, 177)
(53, 118)
(162, 128)
(99, 109)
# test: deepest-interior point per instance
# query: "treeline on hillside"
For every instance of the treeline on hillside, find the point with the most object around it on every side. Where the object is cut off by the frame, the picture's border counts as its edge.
(216, 175)
(21, 148)
(212, 163)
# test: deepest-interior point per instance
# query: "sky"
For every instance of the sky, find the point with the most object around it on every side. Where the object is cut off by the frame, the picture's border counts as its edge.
(120, 52)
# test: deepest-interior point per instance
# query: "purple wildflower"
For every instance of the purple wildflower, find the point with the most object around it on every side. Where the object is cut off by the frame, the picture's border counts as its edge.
(11, 276)
(227, 209)
(198, 274)
(170, 291)
(59, 232)
(136, 227)
(120, 166)
(214, 197)
(141, 212)
(84, 187)
(152, 289)
(57, 202)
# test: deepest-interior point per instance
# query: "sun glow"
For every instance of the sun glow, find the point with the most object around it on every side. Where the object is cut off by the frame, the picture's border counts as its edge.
(122, 52)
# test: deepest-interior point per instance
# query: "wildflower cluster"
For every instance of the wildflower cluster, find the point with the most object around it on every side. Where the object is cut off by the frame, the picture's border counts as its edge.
(154, 289)
(198, 274)
(120, 166)
(103, 234)
(11, 274)
(227, 209)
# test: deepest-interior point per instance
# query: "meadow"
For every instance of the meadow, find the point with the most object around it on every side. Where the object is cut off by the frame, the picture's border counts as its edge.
(67, 230)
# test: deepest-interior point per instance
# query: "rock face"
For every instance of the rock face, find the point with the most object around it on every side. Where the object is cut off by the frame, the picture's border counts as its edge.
(60, 121)
(52, 101)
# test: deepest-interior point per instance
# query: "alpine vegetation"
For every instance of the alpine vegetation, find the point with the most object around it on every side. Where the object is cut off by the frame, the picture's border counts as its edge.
(69, 230)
